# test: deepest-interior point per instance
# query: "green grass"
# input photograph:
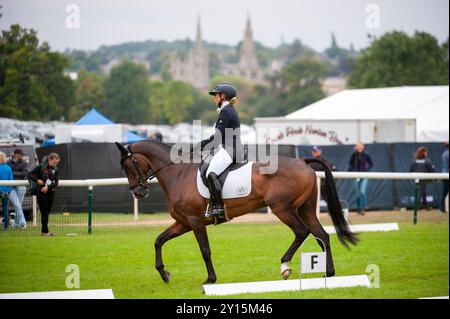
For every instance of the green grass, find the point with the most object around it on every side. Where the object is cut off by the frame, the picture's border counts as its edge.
(413, 262)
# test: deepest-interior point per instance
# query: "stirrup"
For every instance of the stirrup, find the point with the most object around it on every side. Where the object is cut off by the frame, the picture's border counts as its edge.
(214, 212)
(217, 211)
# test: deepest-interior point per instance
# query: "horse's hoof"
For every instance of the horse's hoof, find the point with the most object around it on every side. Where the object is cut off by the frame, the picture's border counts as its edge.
(166, 276)
(209, 281)
(286, 273)
(330, 274)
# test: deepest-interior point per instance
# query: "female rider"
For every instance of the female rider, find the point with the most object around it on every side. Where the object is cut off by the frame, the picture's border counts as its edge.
(225, 143)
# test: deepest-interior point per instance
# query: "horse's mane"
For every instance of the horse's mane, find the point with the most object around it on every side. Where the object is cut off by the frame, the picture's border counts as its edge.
(164, 145)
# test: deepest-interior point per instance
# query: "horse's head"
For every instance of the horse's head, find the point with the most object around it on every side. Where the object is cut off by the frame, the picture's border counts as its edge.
(136, 167)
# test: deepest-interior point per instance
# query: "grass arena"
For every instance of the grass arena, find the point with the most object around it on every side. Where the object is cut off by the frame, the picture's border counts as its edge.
(413, 261)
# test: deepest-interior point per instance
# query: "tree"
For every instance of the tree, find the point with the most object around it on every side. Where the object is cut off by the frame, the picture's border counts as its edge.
(339, 58)
(32, 81)
(397, 59)
(170, 102)
(89, 92)
(300, 83)
(127, 93)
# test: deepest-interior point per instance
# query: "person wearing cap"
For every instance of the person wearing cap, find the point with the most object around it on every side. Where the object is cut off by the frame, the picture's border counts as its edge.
(316, 152)
(225, 143)
(19, 169)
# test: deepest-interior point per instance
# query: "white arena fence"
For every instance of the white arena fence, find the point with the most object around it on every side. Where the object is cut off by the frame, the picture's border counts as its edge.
(78, 223)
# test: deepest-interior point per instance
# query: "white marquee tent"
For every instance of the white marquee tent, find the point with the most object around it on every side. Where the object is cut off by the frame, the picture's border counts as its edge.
(427, 105)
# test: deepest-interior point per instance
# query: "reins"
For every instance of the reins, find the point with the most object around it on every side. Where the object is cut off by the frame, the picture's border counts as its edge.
(151, 174)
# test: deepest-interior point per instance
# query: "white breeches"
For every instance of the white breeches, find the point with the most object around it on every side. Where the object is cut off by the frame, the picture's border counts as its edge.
(220, 161)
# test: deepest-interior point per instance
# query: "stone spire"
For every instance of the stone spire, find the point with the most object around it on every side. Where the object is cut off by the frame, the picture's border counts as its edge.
(248, 63)
(198, 39)
(195, 69)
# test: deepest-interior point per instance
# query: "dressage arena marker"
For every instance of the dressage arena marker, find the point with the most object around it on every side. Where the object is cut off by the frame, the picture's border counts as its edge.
(285, 285)
(301, 284)
(366, 227)
(69, 294)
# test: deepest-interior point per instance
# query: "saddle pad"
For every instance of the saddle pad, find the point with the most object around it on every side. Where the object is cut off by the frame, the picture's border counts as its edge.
(237, 184)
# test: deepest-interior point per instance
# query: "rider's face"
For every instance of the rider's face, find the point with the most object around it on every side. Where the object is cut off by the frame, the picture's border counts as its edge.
(217, 98)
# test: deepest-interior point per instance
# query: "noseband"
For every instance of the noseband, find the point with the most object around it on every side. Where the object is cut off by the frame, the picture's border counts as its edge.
(142, 179)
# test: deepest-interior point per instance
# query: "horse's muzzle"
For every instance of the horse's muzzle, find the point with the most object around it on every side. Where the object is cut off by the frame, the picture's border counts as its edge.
(140, 191)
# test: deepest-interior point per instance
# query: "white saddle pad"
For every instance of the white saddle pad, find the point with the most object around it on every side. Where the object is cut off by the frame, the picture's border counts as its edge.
(237, 184)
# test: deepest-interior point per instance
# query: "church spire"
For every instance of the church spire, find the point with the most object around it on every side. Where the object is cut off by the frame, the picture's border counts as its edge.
(248, 28)
(198, 40)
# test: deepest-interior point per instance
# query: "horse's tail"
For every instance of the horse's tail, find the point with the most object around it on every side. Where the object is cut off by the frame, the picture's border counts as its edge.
(343, 231)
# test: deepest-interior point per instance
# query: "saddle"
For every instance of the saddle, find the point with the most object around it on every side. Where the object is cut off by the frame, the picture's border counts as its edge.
(223, 176)
(236, 180)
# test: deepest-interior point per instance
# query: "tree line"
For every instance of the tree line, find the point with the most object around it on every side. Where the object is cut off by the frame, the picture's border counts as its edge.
(35, 86)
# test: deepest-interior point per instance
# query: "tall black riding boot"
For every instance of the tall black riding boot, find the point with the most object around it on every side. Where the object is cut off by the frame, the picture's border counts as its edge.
(215, 188)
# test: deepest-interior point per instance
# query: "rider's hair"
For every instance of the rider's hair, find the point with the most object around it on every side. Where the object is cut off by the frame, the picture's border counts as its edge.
(233, 101)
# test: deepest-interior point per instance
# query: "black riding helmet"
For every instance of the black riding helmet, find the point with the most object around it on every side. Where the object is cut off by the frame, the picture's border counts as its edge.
(225, 88)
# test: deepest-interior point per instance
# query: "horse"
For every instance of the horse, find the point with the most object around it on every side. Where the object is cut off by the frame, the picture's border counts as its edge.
(291, 193)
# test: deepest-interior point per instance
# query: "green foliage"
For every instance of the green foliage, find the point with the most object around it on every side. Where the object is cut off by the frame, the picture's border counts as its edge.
(127, 93)
(32, 83)
(396, 59)
(300, 83)
(89, 93)
(339, 59)
(170, 102)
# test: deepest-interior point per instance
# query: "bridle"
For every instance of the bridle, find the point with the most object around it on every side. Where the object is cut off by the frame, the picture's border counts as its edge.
(143, 178)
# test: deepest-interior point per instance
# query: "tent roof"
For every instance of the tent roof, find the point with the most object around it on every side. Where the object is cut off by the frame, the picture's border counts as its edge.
(428, 105)
(93, 117)
(132, 137)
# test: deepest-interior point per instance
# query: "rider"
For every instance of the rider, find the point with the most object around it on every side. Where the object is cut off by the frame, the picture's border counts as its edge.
(227, 149)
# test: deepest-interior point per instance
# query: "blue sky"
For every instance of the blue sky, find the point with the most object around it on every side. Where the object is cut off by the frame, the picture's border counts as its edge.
(113, 22)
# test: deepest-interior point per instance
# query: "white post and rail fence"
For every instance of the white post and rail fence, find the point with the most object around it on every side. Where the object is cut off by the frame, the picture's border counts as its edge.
(91, 183)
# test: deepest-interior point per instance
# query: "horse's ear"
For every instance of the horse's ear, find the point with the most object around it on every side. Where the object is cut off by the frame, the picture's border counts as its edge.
(122, 149)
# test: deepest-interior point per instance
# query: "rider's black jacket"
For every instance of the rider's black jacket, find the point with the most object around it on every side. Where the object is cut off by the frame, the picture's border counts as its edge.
(228, 119)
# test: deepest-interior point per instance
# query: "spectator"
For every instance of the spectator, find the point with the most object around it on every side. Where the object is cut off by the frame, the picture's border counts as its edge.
(317, 153)
(360, 161)
(156, 136)
(444, 182)
(422, 164)
(19, 169)
(46, 177)
(5, 174)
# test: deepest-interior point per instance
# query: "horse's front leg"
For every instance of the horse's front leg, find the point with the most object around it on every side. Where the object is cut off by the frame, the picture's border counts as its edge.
(175, 230)
(202, 238)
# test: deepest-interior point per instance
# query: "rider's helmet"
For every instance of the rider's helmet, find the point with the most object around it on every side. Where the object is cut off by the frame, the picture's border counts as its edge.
(225, 88)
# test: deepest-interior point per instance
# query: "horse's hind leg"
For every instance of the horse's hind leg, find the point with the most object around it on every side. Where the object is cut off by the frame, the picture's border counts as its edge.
(300, 231)
(175, 230)
(308, 216)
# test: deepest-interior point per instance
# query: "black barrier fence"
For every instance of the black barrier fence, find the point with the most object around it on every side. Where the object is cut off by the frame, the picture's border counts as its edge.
(394, 157)
(102, 160)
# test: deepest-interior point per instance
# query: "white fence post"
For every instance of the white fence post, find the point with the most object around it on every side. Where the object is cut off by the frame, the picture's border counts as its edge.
(34, 201)
(136, 208)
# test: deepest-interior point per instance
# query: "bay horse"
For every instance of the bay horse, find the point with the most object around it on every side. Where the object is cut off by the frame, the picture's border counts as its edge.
(291, 193)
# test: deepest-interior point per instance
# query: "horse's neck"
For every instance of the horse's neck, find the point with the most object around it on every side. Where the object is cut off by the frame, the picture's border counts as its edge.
(169, 174)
